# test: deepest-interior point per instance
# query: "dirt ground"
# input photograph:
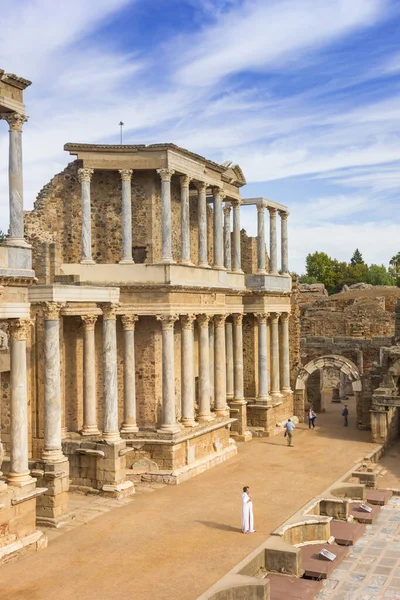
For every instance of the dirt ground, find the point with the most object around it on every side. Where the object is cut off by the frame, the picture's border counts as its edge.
(179, 540)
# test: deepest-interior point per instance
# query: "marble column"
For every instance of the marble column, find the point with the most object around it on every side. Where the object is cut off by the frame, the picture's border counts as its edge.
(211, 359)
(85, 176)
(238, 358)
(166, 216)
(169, 423)
(129, 425)
(275, 378)
(89, 377)
(236, 254)
(261, 239)
(273, 259)
(126, 178)
(187, 370)
(284, 242)
(19, 474)
(229, 359)
(185, 220)
(221, 408)
(202, 224)
(227, 238)
(110, 383)
(204, 370)
(285, 357)
(218, 195)
(15, 121)
(52, 451)
(263, 395)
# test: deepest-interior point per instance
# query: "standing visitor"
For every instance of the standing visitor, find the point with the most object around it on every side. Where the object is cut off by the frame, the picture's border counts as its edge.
(289, 432)
(312, 415)
(247, 512)
(345, 415)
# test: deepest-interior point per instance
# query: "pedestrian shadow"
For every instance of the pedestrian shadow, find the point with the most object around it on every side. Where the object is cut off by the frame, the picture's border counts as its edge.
(220, 526)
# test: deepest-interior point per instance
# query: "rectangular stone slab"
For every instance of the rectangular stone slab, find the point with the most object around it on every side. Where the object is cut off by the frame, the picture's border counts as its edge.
(379, 497)
(362, 516)
(346, 534)
(314, 566)
(283, 587)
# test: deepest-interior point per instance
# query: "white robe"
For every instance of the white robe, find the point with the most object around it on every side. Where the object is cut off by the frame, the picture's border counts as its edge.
(247, 513)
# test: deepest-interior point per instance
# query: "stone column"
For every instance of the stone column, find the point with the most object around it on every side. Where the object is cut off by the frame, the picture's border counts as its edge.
(89, 377)
(221, 408)
(219, 195)
(202, 225)
(238, 357)
(126, 177)
(263, 395)
(110, 384)
(261, 239)
(229, 359)
(16, 202)
(19, 474)
(211, 359)
(275, 381)
(52, 451)
(185, 220)
(85, 176)
(187, 371)
(284, 242)
(204, 370)
(227, 238)
(273, 259)
(236, 254)
(169, 423)
(129, 425)
(285, 358)
(166, 216)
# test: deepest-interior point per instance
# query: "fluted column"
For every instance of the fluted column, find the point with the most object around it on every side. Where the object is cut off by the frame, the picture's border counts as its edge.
(275, 379)
(263, 395)
(129, 425)
(202, 225)
(238, 358)
(19, 474)
(166, 216)
(16, 202)
(52, 451)
(204, 370)
(221, 408)
(261, 239)
(110, 384)
(126, 177)
(211, 359)
(187, 371)
(285, 357)
(169, 423)
(227, 238)
(236, 253)
(218, 195)
(85, 176)
(273, 259)
(284, 242)
(229, 359)
(89, 377)
(185, 220)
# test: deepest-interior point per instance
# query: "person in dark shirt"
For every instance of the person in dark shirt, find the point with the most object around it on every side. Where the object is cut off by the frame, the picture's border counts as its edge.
(345, 415)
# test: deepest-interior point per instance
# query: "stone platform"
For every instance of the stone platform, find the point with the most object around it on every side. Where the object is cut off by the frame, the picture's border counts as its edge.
(317, 567)
(379, 497)
(346, 534)
(283, 587)
(362, 516)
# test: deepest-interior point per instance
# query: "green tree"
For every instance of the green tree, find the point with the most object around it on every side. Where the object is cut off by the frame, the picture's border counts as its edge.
(378, 275)
(394, 268)
(308, 279)
(2, 236)
(357, 258)
(321, 267)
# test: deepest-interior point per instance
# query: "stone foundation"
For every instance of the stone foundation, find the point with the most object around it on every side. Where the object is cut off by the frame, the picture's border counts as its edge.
(266, 418)
(52, 506)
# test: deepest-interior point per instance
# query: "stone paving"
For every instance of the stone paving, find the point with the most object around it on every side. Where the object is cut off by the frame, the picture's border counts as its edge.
(371, 571)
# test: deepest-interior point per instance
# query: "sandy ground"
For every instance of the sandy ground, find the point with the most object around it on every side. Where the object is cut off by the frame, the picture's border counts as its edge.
(177, 541)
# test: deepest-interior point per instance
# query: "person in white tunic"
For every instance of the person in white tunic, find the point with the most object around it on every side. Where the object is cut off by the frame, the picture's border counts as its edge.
(247, 512)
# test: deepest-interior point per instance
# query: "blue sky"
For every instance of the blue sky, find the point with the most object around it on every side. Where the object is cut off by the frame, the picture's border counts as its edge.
(303, 94)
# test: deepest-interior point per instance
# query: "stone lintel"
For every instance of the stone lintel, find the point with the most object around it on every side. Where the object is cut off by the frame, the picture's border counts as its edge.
(73, 293)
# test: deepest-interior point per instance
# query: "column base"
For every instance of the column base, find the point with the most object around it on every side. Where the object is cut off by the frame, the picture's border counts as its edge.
(129, 428)
(273, 273)
(187, 263)
(238, 271)
(205, 418)
(167, 261)
(189, 423)
(204, 265)
(276, 395)
(111, 437)
(87, 261)
(287, 390)
(261, 272)
(219, 267)
(20, 479)
(169, 428)
(221, 412)
(53, 456)
(89, 430)
(18, 242)
(126, 261)
(263, 399)
(238, 401)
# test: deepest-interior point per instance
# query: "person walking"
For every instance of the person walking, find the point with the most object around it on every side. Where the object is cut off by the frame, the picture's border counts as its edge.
(345, 415)
(312, 415)
(289, 426)
(247, 512)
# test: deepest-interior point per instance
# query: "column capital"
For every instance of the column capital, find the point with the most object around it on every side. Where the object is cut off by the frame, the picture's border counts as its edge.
(187, 321)
(200, 186)
(19, 329)
(237, 318)
(217, 191)
(88, 322)
(236, 204)
(85, 174)
(284, 214)
(15, 120)
(126, 174)
(261, 317)
(227, 210)
(167, 321)
(203, 320)
(165, 174)
(129, 321)
(185, 180)
(275, 317)
(261, 207)
(51, 310)
(285, 317)
(109, 310)
(272, 211)
(219, 320)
